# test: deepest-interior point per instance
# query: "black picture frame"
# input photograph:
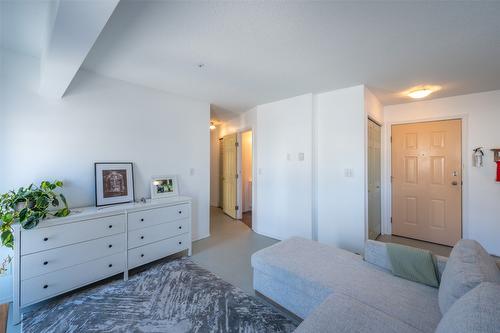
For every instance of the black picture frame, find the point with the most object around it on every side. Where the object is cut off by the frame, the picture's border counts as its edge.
(100, 200)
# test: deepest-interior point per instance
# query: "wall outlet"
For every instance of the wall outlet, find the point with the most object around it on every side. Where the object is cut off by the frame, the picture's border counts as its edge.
(300, 156)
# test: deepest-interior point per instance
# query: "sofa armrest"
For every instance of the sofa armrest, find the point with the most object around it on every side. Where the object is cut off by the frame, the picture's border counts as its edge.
(376, 254)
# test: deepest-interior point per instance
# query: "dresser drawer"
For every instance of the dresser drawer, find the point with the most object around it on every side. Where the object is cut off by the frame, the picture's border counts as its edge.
(155, 216)
(158, 232)
(147, 253)
(41, 239)
(51, 284)
(52, 260)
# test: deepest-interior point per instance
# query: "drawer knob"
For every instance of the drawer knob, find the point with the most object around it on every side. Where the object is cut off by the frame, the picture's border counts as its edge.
(110, 265)
(110, 226)
(180, 243)
(142, 255)
(142, 237)
(180, 227)
(180, 212)
(45, 262)
(142, 220)
(45, 239)
(45, 286)
(110, 245)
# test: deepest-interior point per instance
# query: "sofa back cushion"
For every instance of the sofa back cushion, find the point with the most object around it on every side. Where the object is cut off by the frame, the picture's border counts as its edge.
(478, 311)
(468, 266)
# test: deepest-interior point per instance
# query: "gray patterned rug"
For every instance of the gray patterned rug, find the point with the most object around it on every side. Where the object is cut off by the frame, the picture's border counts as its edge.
(168, 296)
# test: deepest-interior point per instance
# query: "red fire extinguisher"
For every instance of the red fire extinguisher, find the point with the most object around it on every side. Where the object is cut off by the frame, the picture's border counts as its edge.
(498, 171)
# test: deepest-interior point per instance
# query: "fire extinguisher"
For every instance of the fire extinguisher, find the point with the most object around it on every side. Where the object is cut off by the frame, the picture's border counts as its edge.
(496, 158)
(498, 171)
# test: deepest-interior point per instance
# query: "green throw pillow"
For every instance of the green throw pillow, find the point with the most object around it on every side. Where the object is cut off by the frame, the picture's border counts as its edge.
(413, 264)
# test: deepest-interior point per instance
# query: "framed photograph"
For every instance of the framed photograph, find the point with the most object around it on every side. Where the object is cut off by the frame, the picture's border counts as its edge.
(164, 187)
(114, 183)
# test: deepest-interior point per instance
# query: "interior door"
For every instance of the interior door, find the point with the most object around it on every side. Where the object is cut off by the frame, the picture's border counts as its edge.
(229, 175)
(427, 181)
(374, 192)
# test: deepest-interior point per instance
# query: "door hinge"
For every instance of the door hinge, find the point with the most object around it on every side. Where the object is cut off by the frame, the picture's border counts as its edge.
(237, 144)
(391, 220)
(236, 208)
(236, 176)
(391, 138)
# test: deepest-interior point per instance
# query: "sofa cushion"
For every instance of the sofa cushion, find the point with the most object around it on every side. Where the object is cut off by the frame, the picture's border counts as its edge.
(469, 265)
(343, 314)
(316, 270)
(478, 311)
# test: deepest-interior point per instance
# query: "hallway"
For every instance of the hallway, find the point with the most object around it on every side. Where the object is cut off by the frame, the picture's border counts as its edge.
(227, 251)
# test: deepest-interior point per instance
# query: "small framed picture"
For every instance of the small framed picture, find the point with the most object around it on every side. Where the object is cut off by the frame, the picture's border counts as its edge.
(164, 187)
(114, 183)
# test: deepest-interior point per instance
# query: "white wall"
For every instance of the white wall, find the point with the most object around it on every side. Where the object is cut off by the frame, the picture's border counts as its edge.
(284, 192)
(341, 199)
(215, 167)
(311, 198)
(102, 119)
(481, 193)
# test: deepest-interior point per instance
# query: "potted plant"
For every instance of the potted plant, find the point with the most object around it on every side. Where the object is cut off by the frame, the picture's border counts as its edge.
(28, 206)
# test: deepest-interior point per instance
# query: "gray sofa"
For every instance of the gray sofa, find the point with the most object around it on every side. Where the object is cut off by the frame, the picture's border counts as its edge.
(334, 290)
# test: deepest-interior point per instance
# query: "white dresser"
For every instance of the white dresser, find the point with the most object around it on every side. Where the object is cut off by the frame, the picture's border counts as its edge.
(91, 244)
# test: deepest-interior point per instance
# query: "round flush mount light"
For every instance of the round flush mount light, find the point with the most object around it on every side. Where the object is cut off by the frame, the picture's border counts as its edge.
(422, 91)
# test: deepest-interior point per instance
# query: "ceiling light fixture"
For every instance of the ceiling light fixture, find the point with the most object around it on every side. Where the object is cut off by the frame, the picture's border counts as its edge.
(422, 92)
(212, 126)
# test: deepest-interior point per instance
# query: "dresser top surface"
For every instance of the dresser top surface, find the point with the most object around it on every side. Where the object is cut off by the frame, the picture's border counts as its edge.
(91, 212)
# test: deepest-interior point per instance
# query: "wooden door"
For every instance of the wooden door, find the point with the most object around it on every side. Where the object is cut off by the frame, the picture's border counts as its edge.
(374, 193)
(427, 181)
(229, 175)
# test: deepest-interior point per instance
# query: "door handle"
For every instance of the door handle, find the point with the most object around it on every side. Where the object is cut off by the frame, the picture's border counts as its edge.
(454, 183)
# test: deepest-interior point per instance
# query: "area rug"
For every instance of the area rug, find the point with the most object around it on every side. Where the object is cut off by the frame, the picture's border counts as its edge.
(168, 296)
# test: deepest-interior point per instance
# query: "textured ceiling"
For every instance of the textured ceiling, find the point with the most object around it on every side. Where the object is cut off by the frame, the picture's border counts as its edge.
(258, 52)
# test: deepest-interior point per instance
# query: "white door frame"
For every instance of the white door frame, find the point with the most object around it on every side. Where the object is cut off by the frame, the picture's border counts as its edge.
(239, 187)
(367, 226)
(387, 167)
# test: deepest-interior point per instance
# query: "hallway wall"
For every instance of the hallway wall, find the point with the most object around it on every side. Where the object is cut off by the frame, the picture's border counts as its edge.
(246, 170)
(215, 167)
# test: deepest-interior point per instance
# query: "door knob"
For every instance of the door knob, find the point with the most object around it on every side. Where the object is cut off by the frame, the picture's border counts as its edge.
(454, 183)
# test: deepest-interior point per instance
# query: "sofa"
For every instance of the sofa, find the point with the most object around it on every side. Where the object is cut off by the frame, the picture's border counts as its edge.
(334, 290)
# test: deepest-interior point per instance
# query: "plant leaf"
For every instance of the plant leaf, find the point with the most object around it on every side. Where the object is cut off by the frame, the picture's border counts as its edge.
(7, 238)
(63, 199)
(8, 218)
(23, 213)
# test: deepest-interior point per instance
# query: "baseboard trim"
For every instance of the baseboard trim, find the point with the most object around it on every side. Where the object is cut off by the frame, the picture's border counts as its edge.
(256, 230)
(197, 238)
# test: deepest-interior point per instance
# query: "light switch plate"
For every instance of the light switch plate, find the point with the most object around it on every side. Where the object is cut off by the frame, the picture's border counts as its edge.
(348, 172)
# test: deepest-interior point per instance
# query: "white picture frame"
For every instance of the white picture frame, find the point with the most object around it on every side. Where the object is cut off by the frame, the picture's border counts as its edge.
(164, 187)
(114, 183)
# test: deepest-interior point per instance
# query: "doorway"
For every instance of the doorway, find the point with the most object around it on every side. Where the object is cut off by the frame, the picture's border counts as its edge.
(427, 181)
(229, 175)
(246, 178)
(374, 180)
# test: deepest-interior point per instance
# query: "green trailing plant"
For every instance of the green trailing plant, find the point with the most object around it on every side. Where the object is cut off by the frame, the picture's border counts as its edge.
(28, 206)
